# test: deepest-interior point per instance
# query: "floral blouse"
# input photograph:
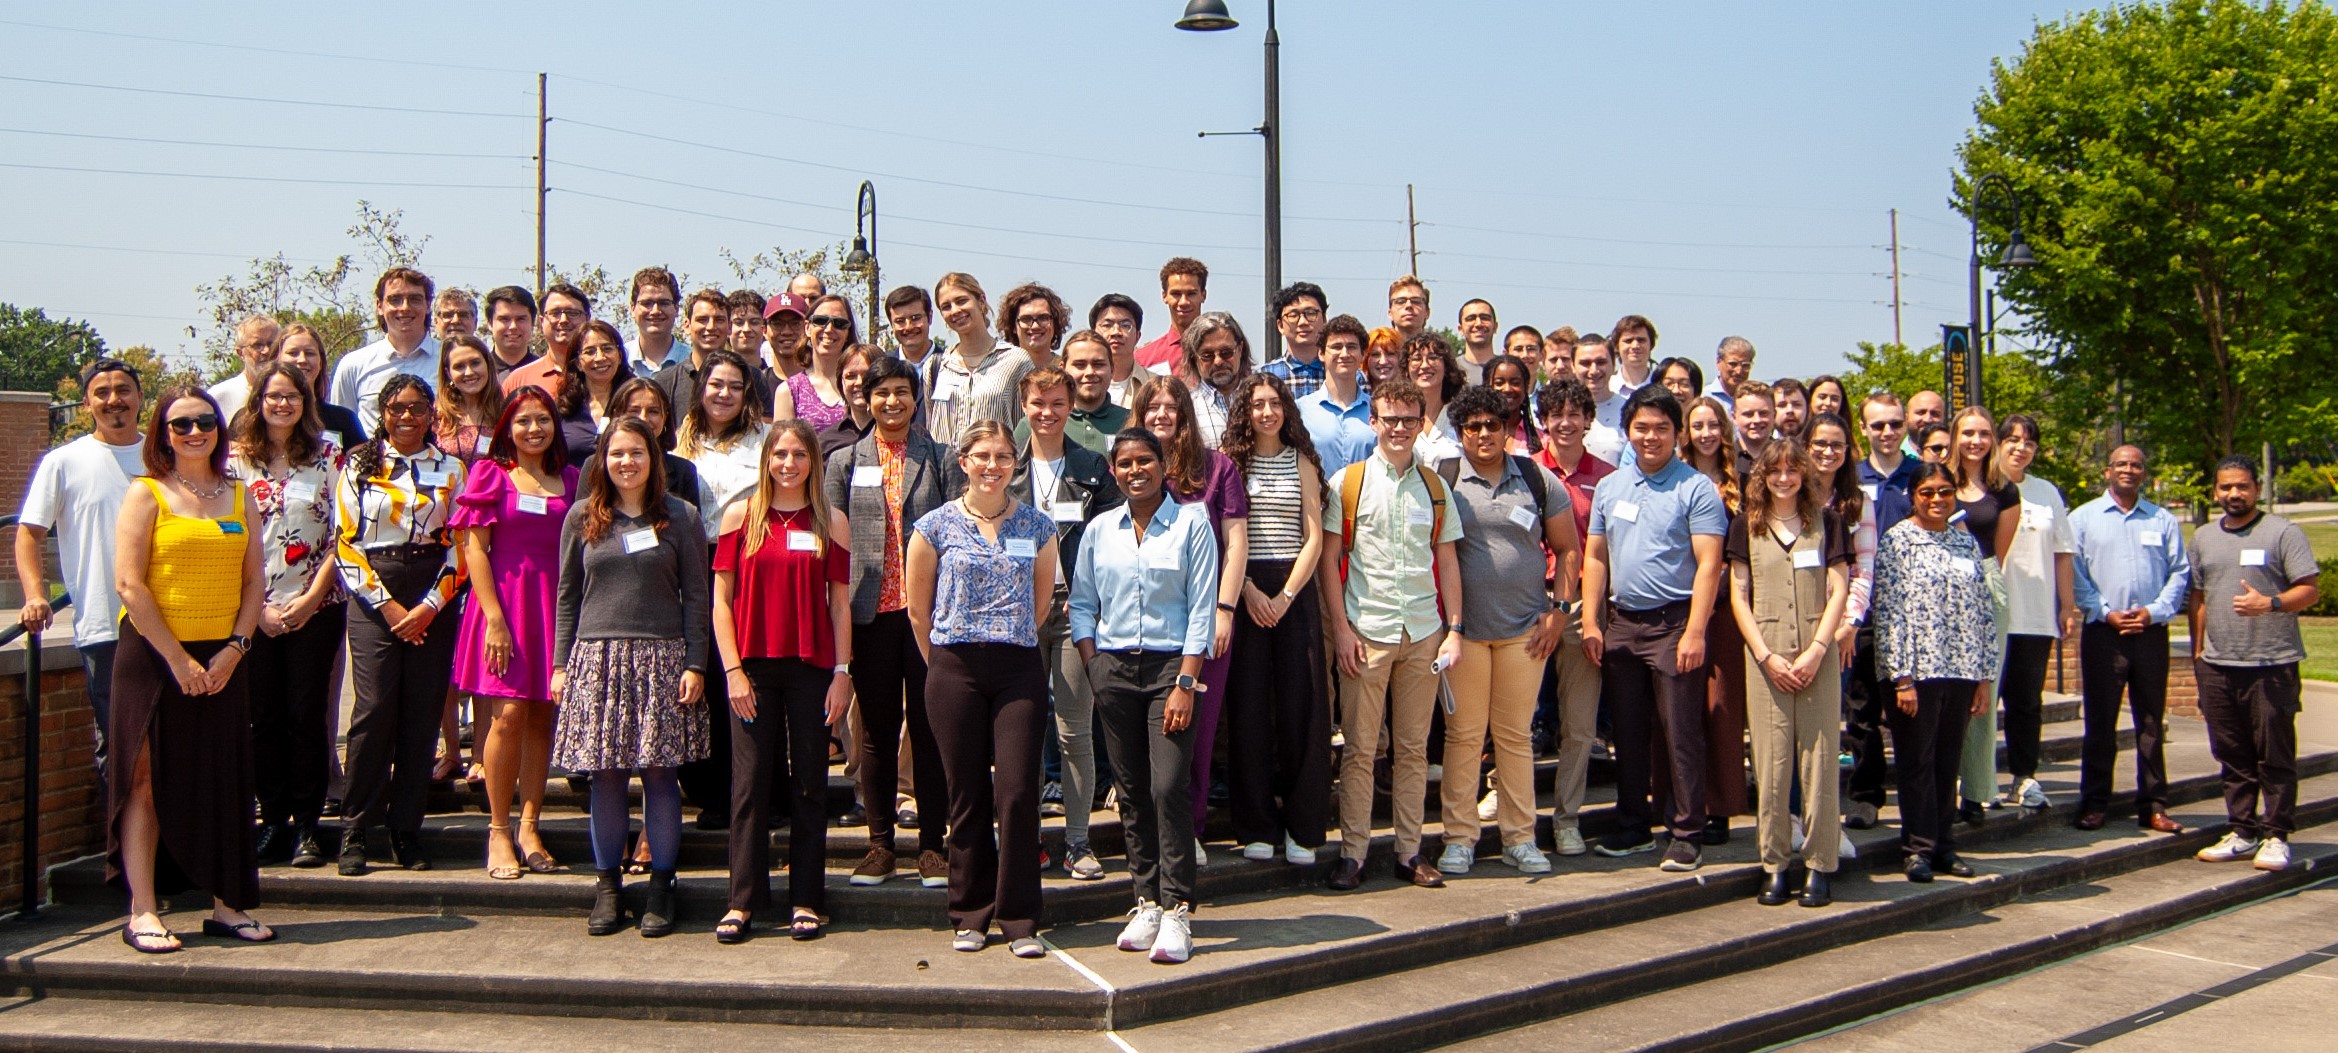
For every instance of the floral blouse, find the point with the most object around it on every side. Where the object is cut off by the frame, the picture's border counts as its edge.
(296, 522)
(982, 590)
(1933, 616)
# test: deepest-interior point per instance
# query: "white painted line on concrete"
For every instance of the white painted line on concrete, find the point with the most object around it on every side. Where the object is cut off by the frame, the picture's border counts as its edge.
(2193, 957)
(1076, 967)
(1121, 1042)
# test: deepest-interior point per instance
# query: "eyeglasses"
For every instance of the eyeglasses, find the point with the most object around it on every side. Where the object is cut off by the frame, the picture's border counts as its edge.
(1408, 301)
(829, 321)
(1228, 354)
(1936, 447)
(1116, 326)
(1886, 425)
(1481, 427)
(1030, 321)
(201, 422)
(281, 398)
(1302, 314)
(564, 314)
(1829, 445)
(1398, 423)
(406, 409)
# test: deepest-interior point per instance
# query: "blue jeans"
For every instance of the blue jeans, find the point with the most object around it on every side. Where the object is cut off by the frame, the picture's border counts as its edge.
(97, 667)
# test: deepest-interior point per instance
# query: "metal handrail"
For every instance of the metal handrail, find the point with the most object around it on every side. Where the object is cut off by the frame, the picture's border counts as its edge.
(31, 894)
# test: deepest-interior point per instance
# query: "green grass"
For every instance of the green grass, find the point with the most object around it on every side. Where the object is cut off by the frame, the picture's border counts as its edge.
(2321, 638)
(2323, 537)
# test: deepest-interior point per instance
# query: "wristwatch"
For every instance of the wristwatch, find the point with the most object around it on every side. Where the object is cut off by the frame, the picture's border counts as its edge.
(1456, 630)
(1226, 607)
(1190, 682)
(2275, 600)
(844, 668)
(243, 643)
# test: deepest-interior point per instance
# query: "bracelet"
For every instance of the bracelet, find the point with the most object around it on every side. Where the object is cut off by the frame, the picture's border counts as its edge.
(734, 669)
(1226, 607)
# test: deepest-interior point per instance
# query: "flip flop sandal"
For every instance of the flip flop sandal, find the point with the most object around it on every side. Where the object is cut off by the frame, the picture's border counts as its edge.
(137, 941)
(237, 931)
(804, 927)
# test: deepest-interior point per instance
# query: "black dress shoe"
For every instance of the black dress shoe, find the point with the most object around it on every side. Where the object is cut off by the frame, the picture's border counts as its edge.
(1954, 866)
(1919, 870)
(306, 852)
(1717, 830)
(352, 852)
(275, 843)
(1420, 872)
(1972, 813)
(407, 850)
(709, 819)
(1818, 889)
(2090, 820)
(1347, 876)
(1774, 890)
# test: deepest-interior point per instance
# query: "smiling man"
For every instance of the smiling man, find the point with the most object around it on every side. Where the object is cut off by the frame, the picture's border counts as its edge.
(655, 298)
(1093, 418)
(401, 305)
(511, 327)
(255, 347)
(1217, 357)
(1477, 338)
(1185, 286)
(1299, 317)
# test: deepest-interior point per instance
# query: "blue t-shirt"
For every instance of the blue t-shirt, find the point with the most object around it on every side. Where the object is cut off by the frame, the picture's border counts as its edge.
(982, 590)
(1648, 521)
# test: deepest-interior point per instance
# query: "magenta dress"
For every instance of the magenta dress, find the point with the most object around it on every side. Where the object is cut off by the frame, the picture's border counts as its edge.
(809, 407)
(524, 555)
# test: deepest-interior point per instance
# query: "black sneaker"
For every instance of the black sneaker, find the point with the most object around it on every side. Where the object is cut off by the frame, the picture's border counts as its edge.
(352, 852)
(1625, 843)
(1051, 801)
(1682, 857)
(1717, 830)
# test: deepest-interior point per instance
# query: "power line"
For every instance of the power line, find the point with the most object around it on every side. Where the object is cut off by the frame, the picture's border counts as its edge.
(266, 146)
(263, 179)
(1647, 294)
(1631, 241)
(255, 98)
(1605, 265)
(293, 52)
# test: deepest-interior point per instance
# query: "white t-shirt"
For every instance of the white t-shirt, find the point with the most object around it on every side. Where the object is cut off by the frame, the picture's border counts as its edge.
(231, 394)
(2029, 564)
(76, 494)
(1603, 441)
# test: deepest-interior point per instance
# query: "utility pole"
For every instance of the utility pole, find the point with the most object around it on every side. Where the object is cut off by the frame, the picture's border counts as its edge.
(543, 121)
(1896, 279)
(1412, 233)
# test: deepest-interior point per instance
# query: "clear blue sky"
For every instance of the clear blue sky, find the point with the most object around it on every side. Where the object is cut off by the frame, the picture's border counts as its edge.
(1722, 168)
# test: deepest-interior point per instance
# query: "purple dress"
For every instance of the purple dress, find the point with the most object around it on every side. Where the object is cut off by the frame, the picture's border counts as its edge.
(809, 408)
(524, 555)
(1227, 496)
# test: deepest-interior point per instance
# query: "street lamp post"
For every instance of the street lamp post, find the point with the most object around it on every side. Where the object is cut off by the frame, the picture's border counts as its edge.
(2017, 254)
(1210, 16)
(863, 256)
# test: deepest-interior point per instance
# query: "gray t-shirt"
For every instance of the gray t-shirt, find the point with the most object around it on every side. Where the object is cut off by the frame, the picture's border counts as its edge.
(1501, 548)
(2269, 554)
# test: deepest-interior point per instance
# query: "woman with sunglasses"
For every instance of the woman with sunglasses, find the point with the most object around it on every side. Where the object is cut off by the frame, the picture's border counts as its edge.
(510, 513)
(397, 558)
(290, 470)
(179, 804)
(816, 395)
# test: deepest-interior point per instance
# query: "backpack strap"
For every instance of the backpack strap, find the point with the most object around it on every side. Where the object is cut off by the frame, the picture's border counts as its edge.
(1351, 491)
(1435, 484)
(1542, 496)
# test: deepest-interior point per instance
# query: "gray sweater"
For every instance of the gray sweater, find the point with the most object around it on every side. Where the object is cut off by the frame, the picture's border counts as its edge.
(659, 593)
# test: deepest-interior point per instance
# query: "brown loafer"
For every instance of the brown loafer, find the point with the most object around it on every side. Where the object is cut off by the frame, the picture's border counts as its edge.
(2090, 821)
(2159, 821)
(1420, 872)
(1347, 876)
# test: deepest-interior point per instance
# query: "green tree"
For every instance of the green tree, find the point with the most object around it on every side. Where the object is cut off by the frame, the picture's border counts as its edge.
(154, 374)
(2011, 382)
(332, 297)
(37, 352)
(2179, 164)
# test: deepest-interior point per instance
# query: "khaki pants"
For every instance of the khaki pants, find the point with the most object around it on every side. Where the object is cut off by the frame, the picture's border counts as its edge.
(1578, 685)
(1796, 732)
(1494, 686)
(1397, 687)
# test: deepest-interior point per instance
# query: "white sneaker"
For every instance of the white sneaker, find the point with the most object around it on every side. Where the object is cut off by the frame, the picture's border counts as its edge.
(1796, 843)
(1174, 944)
(2235, 845)
(1144, 926)
(2032, 795)
(2273, 854)
(1297, 854)
(1571, 842)
(1844, 849)
(1436, 773)
(1258, 850)
(968, 940)
(1489, 807)
(1527, 858)
(1201, 856)
(1458, 857)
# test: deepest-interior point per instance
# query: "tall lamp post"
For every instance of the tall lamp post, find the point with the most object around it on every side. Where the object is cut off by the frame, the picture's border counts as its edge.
(2017, 254)
(863, 256)
(1210, 16)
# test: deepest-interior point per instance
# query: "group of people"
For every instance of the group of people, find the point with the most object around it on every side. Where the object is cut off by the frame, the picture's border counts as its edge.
(1059, 556)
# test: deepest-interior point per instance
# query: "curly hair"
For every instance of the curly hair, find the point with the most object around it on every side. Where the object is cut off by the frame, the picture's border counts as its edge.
(1058, 312)
(1808, 500)
(1427, 343)
(366, 459)
(1241, 439)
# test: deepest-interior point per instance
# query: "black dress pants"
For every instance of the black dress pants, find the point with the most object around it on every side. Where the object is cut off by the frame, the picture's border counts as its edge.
(988, 705)
(2022, 688)
(291, 686)
(1647, 697)
(1927, 748)
(1154, 775)
(889, 679)
(785, 746)
(2252, 730)
(2136, 664)
(401, 691)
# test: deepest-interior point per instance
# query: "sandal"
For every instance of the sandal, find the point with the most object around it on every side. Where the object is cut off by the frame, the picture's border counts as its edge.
(804, 926)
(733, 930)
(446, 769)
(475, 776)
(138, 941)
(541, 861)
(507, 871)
(247, 930)
(639, 864)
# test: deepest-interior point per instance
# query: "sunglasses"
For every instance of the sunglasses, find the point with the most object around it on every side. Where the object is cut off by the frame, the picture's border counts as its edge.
(201, 422)
(829, 321)
(1481, 427)
(1886, 425)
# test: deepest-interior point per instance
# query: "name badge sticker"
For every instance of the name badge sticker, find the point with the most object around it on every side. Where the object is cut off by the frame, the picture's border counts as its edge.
(2148, 537)
(430, 476)
(2035, 516)
(2252, 557)
(535, 504)
(1964, 566)
(1065, 511)
(1806, 559)
(229, 526)
(1022, 548)
(802, 541)
(1416, 517)
(1870, 490)
(1160, 556)
(641, 540)
(301, 492)
(1959, 517)
(1523, 516)
(1628, 511)
(868, 475)
(334, 437)
(479, 448)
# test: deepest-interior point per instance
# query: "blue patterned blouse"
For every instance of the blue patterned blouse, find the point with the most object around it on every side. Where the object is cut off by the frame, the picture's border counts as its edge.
(982, 590)
(1934, 618)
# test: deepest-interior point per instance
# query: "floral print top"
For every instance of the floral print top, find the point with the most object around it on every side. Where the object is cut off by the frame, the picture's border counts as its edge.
(982, 590)
(295, 510)
(1934, 619)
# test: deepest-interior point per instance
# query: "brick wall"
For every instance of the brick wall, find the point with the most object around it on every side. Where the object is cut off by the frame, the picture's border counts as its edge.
(2183, 693)
(72, 808)
(24, 437)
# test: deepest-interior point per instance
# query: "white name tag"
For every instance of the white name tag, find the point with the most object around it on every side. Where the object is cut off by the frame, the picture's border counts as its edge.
(641, 540)
(1022, 548)
(1870, 489)
(1959, 517)
(1523, 516)
(304, 492)
(431, 477)
(1065, 511)
(2252, 557)
(535, 504)
(1964, 566)
(1806, 559)
(1160, 556)
(948, 386)
(479, 448)
(802, 541)
(1416, 517)
(1628, 511)
(868, 475)
(2035, 517)
(2148, 537)
(601, 424)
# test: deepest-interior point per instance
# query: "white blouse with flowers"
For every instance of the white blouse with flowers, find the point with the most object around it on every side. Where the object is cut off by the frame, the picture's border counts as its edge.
(296, 521)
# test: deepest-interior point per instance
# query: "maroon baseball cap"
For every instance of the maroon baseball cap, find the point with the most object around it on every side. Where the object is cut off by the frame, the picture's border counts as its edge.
(786, 301)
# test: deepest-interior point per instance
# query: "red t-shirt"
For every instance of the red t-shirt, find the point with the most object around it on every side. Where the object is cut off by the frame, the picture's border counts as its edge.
(543, 372)
(1589, 470)
(1162, 353)
(780, 600)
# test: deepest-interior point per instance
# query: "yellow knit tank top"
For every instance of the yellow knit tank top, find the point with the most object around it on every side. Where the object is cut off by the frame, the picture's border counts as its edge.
(195, 568)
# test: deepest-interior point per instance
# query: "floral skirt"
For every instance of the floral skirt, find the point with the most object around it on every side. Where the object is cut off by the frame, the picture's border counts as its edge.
(620, 708)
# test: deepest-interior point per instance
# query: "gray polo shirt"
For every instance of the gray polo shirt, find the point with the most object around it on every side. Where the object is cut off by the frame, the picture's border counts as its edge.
(1501, 548)
(2270, 554)
(1648, 521)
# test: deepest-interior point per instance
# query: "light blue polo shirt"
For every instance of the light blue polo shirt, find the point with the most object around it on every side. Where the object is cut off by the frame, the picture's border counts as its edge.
(1343, 435)
(1648, 521)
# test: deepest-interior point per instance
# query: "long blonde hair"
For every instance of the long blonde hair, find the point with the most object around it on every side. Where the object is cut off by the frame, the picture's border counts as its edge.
(1993, 477)
(758, 525)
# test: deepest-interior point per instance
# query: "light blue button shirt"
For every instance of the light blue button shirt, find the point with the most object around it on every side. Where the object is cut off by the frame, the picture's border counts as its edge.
(2129, 559)
(1160, 595)
(1342, 434)
(1648, 521)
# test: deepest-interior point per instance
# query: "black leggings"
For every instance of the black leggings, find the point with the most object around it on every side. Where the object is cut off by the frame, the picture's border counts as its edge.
(401, 691)
(988, 703)
(2022, 687)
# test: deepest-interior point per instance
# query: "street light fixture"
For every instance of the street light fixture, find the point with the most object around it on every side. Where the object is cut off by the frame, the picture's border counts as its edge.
(1210, 16)
(863, 257)
(2017, 255)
